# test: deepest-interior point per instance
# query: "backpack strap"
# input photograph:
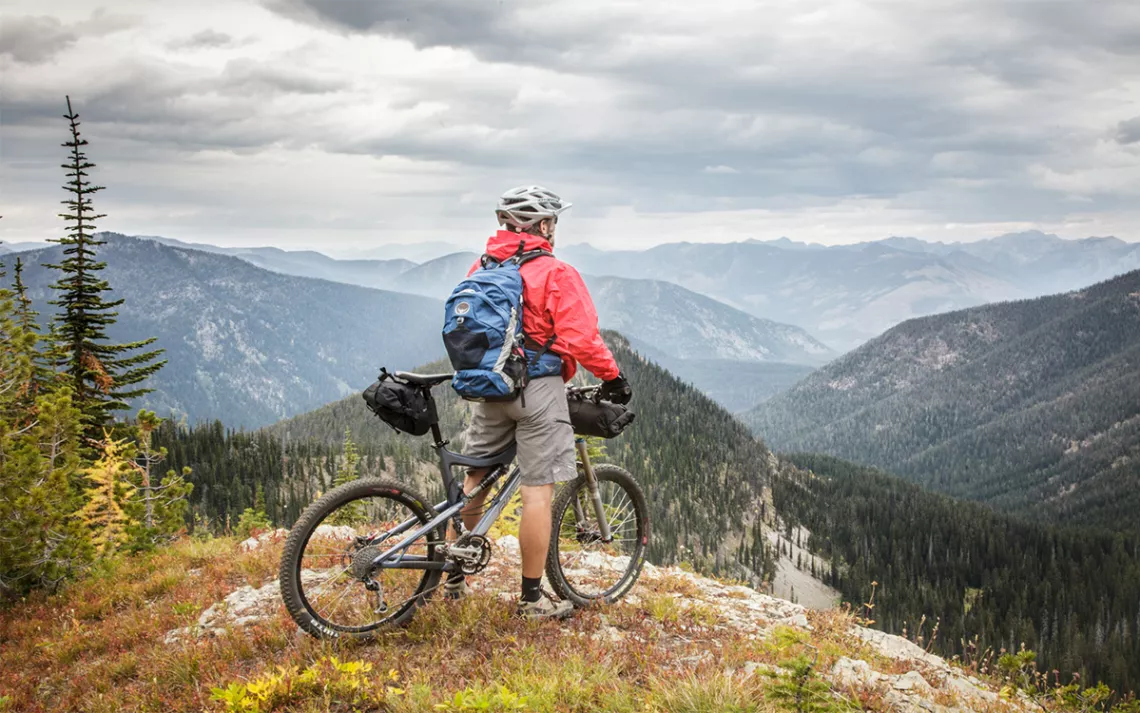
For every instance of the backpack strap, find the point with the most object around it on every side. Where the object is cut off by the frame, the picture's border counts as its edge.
(542, 349)
(523, 258)
(520, 257)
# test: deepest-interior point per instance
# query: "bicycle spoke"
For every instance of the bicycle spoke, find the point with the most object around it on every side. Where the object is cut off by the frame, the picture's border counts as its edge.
(321, 612)
(329, 579)
(590, 566)
(335, 595)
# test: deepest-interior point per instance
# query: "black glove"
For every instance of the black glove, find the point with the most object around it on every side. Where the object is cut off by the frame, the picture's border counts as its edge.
(617, 390)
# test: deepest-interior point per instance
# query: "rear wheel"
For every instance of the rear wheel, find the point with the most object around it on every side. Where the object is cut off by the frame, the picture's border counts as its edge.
(582, 566)
(327, 582)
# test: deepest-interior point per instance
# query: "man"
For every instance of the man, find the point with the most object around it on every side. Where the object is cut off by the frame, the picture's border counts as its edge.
(555, 303)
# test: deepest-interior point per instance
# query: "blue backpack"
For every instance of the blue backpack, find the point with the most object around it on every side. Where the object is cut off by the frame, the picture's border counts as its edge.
(483, 332)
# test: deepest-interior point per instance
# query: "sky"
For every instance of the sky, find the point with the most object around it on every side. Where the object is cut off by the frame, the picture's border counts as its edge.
(342, 125)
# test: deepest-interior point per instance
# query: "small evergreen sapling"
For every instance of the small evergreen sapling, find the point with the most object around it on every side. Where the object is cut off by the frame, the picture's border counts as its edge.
(253, 520)
(799, 689)
(158, 508)
(348, 471)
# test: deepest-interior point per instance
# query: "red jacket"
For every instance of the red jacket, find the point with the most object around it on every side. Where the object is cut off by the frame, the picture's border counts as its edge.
(555, 301)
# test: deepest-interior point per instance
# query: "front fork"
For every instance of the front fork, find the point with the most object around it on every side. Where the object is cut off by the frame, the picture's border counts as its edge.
(595, 494)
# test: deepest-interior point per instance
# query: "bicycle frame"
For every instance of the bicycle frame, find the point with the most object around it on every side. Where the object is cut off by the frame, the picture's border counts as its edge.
(396, 557)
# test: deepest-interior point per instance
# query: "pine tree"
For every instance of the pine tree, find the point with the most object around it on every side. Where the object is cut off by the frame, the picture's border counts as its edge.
(103, 514)
(40, 544)
(346, 473)
(42, 373)
(102, 375)
(158, 508)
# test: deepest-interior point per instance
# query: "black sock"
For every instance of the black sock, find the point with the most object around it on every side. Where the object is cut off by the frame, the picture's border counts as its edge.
(531, 589)
(456, 577)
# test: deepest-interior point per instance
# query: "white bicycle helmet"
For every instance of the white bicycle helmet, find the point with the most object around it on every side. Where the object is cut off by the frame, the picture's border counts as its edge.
(524, 207)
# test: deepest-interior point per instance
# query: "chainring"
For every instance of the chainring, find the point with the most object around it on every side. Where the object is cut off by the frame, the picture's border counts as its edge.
(474, 562)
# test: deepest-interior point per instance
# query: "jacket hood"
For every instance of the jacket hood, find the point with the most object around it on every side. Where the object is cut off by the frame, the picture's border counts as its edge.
(504, 243)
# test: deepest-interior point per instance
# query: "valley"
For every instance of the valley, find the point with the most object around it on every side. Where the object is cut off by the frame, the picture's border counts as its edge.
(1030, 406)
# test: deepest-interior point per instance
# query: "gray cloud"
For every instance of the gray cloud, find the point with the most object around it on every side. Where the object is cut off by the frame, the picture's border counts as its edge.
(997, 110)
(34, 39)
(429, 23)
(243, 75)
(1128, 132)
(206, 39)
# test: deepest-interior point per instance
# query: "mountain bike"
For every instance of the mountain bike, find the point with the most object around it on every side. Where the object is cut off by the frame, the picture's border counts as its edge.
(367, 554)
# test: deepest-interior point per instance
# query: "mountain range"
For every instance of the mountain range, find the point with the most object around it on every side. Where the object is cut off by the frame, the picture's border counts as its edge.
(843, 295)
(244, 344)
(251, 346)
(1031, 406)
(847, 294)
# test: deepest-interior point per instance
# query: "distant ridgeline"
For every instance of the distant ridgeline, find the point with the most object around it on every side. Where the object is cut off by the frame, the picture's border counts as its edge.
(702, 471)
(1071, 596)
(1032, 406)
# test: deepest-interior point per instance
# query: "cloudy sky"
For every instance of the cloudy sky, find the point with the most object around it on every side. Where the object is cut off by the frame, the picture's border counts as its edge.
(344, 124)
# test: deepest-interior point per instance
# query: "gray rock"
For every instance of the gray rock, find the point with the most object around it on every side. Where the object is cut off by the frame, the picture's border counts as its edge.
(912, 681)
(853, 672)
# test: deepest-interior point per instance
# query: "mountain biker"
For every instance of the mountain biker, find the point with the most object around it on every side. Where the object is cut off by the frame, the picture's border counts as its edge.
(556, 304)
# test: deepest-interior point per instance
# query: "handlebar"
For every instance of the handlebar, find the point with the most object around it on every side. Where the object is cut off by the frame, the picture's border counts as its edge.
(584, 390)
(589, 393)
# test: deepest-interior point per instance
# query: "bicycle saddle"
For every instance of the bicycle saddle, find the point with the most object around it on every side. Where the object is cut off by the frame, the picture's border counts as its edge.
(423, 379)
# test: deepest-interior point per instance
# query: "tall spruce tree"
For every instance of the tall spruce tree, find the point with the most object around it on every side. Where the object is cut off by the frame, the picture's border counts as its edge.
(103, 375)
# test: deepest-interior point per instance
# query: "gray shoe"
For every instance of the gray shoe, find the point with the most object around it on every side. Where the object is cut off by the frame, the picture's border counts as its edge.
(456, 590)
(546, 608)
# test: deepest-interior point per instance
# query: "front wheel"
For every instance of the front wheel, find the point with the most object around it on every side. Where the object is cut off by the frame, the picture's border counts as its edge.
(582, 565)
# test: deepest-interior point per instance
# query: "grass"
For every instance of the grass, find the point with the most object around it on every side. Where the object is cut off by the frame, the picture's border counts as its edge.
(98, 645)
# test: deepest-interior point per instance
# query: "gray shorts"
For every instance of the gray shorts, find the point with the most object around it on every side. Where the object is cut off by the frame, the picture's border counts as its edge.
(542, 430)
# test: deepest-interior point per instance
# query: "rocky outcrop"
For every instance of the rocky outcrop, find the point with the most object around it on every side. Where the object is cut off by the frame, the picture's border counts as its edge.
(904, 676)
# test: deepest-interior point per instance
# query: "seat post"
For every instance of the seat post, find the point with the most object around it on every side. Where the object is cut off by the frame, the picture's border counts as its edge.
(437, 435)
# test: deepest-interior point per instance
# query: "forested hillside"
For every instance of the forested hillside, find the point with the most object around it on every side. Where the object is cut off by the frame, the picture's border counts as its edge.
(1031, 406)
(988, 581)
(246, 345)
(701, 470)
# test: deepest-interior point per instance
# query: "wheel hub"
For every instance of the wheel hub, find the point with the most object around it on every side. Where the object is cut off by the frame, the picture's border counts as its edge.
(362, 562)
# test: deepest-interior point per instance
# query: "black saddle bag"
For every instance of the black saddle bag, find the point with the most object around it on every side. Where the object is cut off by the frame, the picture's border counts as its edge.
(403, 406)
(598, 418)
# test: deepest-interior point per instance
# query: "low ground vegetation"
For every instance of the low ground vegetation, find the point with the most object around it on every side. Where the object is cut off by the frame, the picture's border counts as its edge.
(101, 644)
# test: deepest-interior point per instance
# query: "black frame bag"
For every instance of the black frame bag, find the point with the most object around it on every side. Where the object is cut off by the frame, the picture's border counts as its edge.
(405, 407)
(598, 418)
